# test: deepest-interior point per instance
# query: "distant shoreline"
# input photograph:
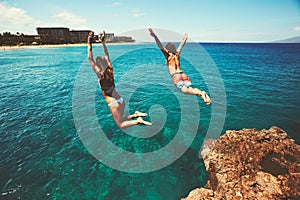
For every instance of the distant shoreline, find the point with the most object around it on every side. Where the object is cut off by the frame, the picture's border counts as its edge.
(45, 46)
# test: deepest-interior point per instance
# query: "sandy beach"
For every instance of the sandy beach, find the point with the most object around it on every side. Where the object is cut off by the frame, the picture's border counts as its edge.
(55, 46)
(39, 46)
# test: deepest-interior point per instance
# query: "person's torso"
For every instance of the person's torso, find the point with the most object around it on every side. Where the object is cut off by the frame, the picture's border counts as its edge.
(173, 63)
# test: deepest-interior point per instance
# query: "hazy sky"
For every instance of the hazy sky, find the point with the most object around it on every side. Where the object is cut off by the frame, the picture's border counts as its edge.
(203, 20)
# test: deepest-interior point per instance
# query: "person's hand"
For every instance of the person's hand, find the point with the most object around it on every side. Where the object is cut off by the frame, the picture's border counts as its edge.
(151, 32)
(185, 36)
(102, 38)
(91, 36)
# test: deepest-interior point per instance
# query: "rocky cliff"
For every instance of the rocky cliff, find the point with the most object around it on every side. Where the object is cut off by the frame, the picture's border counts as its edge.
(251, 164)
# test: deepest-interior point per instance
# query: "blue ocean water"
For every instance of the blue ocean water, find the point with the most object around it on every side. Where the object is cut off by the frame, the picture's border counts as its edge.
(43, 157)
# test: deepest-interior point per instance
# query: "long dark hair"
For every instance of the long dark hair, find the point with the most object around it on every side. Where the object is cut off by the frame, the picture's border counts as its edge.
(107, 72)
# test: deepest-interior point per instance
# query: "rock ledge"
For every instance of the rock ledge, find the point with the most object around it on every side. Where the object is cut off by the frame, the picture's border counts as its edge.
(251, 164)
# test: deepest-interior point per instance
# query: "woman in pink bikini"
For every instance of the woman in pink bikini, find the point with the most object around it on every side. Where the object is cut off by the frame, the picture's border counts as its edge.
(179, 78)
(105, 73)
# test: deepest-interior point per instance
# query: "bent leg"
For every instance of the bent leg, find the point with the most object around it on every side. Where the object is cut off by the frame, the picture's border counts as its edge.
(117, 112)
(196, 91)
(122, 122)
(136, 114)
(128, 123)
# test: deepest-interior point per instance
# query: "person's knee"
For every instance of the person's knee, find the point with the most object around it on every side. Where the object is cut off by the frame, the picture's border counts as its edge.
(118, 121)
(121, 126)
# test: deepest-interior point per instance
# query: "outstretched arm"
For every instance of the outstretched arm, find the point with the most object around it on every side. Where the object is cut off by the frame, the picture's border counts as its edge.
(159, 44)
(185, 37)
(105, 49)
(90, 53)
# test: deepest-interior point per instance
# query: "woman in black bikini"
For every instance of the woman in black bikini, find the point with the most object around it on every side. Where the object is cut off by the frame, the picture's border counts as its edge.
(179, 78)
(105, 73)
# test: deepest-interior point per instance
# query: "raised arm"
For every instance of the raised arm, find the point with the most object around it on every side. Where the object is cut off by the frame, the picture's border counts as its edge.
(90, 53)
(105, 49)
(179, 49)
(159, 44)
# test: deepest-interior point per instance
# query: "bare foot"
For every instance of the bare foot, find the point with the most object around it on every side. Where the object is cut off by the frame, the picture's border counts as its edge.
(140, 114)
(141, 121)
(205, 97)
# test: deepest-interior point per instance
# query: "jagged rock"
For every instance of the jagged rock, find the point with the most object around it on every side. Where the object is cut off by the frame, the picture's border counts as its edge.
(251, 164)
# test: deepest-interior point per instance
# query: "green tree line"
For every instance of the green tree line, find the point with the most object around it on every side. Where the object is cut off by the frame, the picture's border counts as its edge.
(9, 39)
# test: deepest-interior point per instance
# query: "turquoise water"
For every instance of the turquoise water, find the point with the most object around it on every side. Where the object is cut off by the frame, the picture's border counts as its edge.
(43, 157)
